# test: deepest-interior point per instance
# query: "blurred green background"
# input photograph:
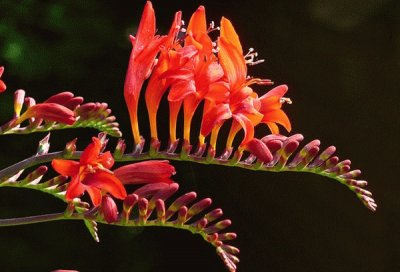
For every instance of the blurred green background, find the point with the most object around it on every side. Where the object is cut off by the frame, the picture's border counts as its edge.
(341, 60)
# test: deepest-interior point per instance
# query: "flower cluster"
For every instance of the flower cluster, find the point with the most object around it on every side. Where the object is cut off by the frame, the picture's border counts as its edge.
(194, 69)
(92, 174)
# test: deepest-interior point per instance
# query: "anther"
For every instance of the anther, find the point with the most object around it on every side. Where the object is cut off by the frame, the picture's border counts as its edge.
(285, 100)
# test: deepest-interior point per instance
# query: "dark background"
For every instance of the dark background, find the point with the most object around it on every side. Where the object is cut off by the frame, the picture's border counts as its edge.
(341, 60)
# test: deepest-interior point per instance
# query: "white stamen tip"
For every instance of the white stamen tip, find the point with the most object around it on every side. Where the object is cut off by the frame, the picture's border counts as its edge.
(286, 100)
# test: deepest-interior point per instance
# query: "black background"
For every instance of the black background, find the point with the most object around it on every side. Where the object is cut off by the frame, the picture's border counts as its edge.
(341, 60)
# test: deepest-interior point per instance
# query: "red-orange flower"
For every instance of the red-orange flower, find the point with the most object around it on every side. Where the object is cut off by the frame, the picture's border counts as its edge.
(145, 47)
(3, 86)
(91, 174)
(146, 172)
(270, 107)
(243, 105)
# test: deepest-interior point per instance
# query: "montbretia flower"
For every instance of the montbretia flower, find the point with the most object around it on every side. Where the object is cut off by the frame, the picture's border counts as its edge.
(92, 174)
(270, 108)
(145, 47)
(3, 86)
(158, 85)
(243, 105)
(146, 172)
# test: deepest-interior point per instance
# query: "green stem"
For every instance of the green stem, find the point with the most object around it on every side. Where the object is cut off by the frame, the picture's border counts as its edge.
(40, 159)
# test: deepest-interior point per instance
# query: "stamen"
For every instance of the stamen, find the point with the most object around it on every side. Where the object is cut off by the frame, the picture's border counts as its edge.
(251, 56)
(285, 100)
(212, 27)
(183, 30)
(182, 22)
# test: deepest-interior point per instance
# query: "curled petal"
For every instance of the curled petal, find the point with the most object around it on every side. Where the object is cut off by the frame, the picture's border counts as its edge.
(215, 117)
(145, 172)
(106, 182)
(247, 126)
(279, 117)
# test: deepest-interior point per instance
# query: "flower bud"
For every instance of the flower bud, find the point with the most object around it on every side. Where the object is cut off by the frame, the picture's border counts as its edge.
(109, 209)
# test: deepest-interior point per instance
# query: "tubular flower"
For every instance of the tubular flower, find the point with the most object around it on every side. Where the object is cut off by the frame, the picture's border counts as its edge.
(194, 70)
(145, 47)
(146, 172)
(3, 86)
(270, 107)
(240, 104)
(91, 174)
(157, 85)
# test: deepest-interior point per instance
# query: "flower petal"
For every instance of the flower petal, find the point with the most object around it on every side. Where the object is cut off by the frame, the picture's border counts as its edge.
(198, 23)
(277, 116)
(146, 29)
(91, 152)
(229, 33)
(75, 189)
(181, 89)
(233, 63)
(214, 117)
(95, 195)
(106, 159)
(66, 167)
(106, 182)
(247, 126)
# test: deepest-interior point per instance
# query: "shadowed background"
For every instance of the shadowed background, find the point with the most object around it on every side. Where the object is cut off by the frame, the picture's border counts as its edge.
(341, 60)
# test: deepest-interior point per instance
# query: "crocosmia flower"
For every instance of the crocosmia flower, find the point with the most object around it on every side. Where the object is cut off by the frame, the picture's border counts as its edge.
(145, 47)
(146, 172)
(91, 174)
